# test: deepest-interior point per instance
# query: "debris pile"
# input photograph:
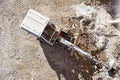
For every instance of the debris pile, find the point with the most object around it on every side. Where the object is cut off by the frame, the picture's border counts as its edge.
(94, 33)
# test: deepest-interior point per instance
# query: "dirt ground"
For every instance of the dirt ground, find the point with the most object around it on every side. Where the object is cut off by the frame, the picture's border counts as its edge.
(22, 56)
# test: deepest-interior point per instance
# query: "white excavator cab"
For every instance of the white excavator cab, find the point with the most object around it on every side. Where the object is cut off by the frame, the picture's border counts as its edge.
(40, 26)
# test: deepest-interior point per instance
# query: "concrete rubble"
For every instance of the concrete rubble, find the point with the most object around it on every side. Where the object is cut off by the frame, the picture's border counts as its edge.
(97, 37)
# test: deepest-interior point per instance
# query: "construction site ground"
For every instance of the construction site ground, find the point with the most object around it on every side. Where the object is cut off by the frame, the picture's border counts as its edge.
(23, 57)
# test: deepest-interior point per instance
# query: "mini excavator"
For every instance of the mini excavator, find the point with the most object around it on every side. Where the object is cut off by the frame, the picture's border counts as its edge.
(40, 26)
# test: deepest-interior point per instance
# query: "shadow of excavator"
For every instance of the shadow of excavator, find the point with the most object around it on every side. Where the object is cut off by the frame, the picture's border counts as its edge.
(64, 64)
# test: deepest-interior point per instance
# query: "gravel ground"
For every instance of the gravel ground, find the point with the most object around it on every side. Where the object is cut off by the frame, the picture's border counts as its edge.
(22, 56)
